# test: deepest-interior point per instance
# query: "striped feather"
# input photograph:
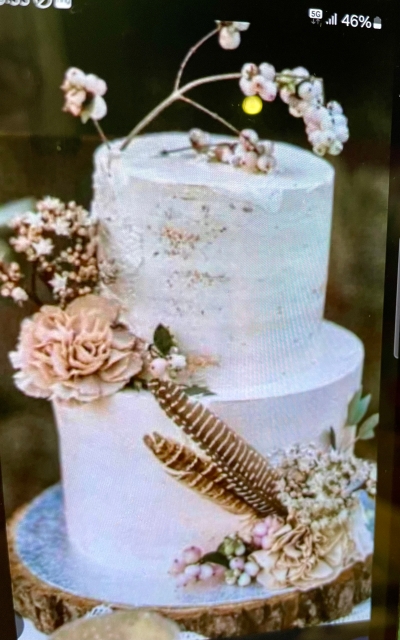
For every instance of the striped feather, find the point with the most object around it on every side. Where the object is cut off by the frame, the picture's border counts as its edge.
(251, 477)
(197, 473)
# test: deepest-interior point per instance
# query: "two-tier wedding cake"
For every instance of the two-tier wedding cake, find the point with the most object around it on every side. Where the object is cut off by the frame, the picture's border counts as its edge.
(237, 265)
(207, 412)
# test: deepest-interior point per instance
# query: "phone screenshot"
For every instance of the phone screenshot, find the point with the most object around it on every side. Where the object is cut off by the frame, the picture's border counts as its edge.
(193, 218)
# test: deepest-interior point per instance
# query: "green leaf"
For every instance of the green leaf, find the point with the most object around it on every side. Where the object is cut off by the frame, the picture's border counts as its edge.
(367, 429)
(358, 407)
(163, 340)
(195, 390)
(216, 558)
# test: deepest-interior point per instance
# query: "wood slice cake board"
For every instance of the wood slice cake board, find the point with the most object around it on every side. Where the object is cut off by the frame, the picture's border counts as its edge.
(50, 607)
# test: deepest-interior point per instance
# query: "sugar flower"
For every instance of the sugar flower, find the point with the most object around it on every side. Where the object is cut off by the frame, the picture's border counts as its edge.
(84, 95)
(303, 558)
(229, 34)
(81, 353)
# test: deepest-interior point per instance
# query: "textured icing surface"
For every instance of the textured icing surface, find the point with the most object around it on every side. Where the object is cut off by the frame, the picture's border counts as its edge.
(121, 507)
(235, 263)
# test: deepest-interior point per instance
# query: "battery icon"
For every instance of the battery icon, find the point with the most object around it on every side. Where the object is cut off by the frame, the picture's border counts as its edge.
(377, 23)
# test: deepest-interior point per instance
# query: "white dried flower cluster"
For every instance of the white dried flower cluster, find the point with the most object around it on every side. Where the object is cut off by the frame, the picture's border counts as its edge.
(248, 152)
(84, 95)
(229, 33)
(61, 240)
(319, 487)
(10, 278)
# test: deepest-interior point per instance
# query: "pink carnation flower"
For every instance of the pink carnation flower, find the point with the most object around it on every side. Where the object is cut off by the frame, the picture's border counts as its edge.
(82, 353)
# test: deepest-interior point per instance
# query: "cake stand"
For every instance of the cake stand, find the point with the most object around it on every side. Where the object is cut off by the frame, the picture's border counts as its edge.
(52, 586)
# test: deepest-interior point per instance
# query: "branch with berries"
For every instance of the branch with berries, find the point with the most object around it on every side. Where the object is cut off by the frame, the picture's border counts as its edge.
(326, 125)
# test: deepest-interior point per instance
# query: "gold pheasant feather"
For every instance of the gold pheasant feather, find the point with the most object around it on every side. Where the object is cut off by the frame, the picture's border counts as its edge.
(197, 473)
(250, 476)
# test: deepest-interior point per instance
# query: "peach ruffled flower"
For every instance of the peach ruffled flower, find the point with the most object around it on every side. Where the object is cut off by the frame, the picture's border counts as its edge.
(81, 353)
(298, 557)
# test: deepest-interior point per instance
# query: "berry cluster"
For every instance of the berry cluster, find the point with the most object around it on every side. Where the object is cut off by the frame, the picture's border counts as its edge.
(189, 569)
(326, 125)
(248, 152)
(233, 561)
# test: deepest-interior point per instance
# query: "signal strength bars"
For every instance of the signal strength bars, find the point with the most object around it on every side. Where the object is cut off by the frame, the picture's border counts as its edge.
(332, 20)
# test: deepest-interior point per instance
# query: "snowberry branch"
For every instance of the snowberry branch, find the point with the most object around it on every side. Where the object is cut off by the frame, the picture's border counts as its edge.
(214, 115)
(190, 53)
(176, 95)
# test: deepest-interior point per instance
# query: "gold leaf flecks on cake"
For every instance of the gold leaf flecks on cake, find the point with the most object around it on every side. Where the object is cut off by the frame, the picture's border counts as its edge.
(251, 476)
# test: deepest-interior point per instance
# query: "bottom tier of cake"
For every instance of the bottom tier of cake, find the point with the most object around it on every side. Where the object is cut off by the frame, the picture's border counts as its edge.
(51, 587)
(123, 511)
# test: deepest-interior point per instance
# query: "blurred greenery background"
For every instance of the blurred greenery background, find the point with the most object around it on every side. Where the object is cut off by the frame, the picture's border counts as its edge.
(137, 49)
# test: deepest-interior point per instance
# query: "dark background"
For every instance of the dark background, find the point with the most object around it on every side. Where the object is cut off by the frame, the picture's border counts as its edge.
(137, 47)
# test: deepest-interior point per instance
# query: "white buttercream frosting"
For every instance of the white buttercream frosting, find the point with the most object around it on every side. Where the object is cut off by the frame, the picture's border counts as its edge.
(235, 263)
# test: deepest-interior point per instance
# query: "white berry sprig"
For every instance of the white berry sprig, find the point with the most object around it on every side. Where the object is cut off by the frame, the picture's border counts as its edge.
(248, 152)
(326, 125)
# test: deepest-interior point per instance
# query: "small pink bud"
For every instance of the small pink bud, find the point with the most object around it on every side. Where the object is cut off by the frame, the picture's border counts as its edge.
(191, 555)
(257, 541)
(266, 542)
(260, 529)
(236, 563)
(178, 566)
(158, 367)
(183, 580)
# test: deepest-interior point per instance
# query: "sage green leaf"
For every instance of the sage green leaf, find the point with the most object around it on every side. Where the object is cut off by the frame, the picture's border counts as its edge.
(367, 429)
(216, 558)
(359, 410)
(353, 405)
(163, 340)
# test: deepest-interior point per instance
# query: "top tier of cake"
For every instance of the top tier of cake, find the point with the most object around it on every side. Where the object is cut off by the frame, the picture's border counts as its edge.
(235, 263)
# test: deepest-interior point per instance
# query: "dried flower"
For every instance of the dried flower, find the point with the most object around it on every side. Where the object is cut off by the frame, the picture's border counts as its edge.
(61, 240)
(229, 33)
(84, 95)
(10, 278)
(303, 558)
(82, 353)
